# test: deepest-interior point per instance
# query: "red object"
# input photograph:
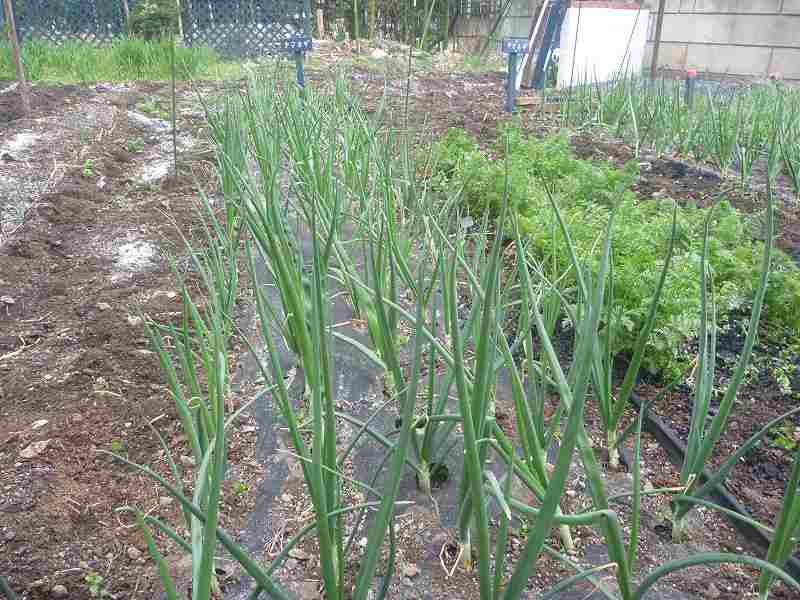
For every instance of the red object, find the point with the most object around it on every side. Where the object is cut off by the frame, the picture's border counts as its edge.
(692, 73)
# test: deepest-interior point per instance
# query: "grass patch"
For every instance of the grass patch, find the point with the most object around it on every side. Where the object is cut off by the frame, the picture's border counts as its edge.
(125, 59)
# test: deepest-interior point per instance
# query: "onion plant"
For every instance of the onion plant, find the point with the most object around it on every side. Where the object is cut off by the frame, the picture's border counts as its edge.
(790, 152)
(703, 437)
(787, 529)
(199, 386)
(724, 127)
(314, 186)
(612, 405)
(571, 388)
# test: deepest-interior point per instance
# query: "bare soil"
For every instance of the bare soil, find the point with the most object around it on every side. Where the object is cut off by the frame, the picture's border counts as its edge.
(78, 268)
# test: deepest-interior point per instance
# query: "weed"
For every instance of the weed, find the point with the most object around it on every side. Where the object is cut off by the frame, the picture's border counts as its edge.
(786, 436)
(135, 145)
(95, 582)
(155, 108)
(87, 168)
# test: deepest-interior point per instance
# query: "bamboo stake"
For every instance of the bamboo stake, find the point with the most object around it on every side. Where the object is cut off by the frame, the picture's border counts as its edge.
(180, 20)
(13, 39)
(657, 40)
(320, 24)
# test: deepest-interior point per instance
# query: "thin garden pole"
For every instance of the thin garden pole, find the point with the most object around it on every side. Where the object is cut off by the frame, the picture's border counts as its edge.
(657, 41)
(446, 24)
(13, 39)
(174, 110)
(499, 20)
(180, 19)
(320, 23)
(356, 32)
(126, 9)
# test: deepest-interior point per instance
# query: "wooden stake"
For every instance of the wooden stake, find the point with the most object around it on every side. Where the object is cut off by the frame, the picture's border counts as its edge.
(11, 27)
(657, 41)
(180, 20)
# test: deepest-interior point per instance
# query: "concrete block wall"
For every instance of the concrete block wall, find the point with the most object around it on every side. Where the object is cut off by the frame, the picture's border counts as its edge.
(752, 38)
(471, 32)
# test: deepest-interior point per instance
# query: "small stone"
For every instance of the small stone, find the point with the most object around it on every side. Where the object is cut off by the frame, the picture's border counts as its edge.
(35, 449)
(307, 590)
(187, 461)
(165, 501)
(39, 424)
(712, 592)
(77, 418)
(410, 570)
(134, 321)
(134, 553)
(9, 536)
(103, 306)
(287, 498)
(378, 54)
(291, 564)
(299, 554)
(59, 591)
(7, 300)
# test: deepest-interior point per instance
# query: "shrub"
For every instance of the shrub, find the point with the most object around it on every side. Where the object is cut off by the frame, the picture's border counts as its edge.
(152, 19)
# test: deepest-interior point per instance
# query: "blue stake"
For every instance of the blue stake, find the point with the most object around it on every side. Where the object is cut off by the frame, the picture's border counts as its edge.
(513, 47)
(511, 83)
(301, 74)
(298, 44)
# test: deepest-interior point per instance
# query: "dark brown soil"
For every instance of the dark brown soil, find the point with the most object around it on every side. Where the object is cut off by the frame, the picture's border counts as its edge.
(44, 98)
(76, 371)
(771, 388)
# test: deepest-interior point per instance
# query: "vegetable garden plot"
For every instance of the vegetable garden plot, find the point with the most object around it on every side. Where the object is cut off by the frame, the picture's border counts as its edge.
(344, 177)
(398, 221)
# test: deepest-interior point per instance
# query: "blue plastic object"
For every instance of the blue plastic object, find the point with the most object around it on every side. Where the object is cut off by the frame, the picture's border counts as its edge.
(513, 47)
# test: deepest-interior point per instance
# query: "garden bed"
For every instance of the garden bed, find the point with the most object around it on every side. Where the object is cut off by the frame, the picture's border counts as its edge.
(78, 374)
(85, 252)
